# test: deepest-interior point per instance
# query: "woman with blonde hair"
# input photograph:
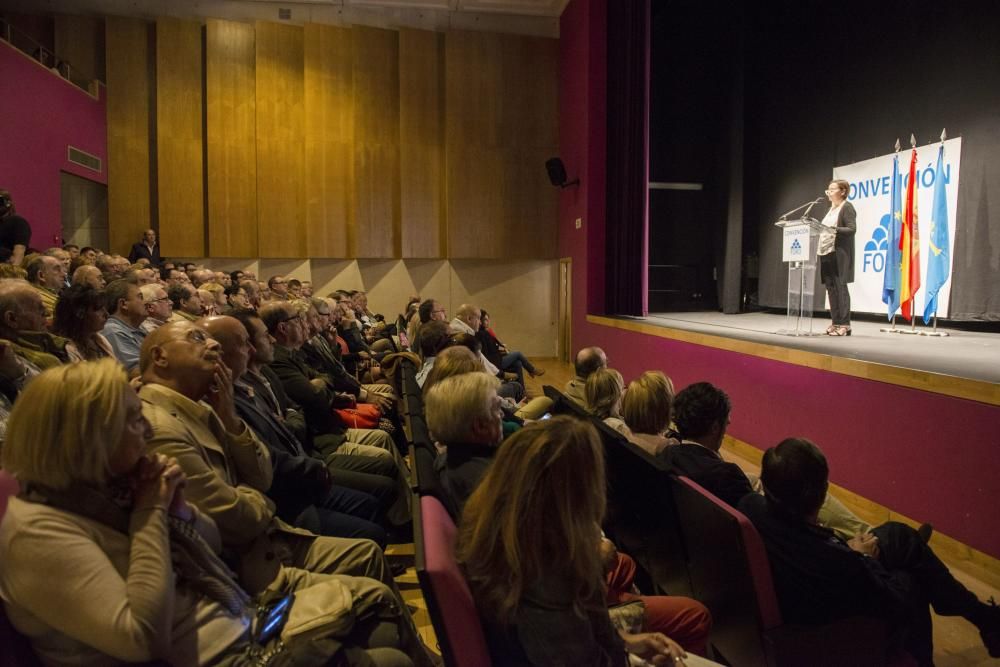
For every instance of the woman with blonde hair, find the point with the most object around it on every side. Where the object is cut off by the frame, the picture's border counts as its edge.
(544, 495)
(103, 561)
(603, 393)
(646, 409)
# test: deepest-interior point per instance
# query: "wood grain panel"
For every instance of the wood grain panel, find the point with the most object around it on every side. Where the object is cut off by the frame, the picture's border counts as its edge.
(376, 229)
(500, 127)
(281, 219)
(179, 169)
(231, 139)
(128, 78)
(421, 148)
(329, 139)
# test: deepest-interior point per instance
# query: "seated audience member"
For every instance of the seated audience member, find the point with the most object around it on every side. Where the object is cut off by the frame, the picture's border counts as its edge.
(701, 413)
(90, 275)
(223, 279)
(302, 488)
(89, 254)
(47, 276)
(360, 467)
(216, 297)
(72, 249)
(467, 321)
(427, 311)
(115, 524)
(294, 288)
(498, 354)
(139, 275)
(147, 248)
(603, 392)
(80, 317)
(349, 329)
(888, 572)
(66, 259)
(307, 387)
(278, 287)
(199, 277)
(319, 354)
(236, 297)
(307, 289)
(646, 411)
(510, 389)
(22, 325)
(126, 313)
(464, 417)
(544, 495)
(433, 338)
(187, 399)
(236, 277)
(159, 308)
(588, 360)
(452, 361)
(185, 303)
(252, 290)
(175, 276)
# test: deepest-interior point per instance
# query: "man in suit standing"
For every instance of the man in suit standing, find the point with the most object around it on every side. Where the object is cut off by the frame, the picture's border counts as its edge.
(147, 249)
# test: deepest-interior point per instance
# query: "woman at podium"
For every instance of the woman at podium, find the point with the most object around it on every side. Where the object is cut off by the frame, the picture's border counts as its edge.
(836, 256)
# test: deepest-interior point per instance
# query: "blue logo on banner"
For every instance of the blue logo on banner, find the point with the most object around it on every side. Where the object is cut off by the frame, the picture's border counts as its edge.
(876, 246)
(796, 247)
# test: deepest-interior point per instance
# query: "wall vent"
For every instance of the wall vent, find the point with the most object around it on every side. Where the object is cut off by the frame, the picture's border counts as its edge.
(84, 159)
(284, 13)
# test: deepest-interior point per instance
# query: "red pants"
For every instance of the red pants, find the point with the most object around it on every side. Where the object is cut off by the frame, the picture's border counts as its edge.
(684, 620)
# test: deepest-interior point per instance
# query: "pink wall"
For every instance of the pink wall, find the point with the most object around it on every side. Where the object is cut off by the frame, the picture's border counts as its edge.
(43, 114)
(924, 455)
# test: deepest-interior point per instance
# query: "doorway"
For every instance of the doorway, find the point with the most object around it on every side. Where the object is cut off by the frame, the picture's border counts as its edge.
(84, 211)
(565, 309)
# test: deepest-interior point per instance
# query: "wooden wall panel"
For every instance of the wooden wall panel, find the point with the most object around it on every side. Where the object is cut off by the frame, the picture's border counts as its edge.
(79, 40)
(231, 140)
(421, 143)
(281, 218)
(179, 156)
(329, 139)
(128, 73)
(500, 127)
(376, 230)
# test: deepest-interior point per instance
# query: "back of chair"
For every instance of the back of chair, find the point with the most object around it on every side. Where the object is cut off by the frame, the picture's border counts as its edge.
(449, 600)
(724, 574)
(563, 404)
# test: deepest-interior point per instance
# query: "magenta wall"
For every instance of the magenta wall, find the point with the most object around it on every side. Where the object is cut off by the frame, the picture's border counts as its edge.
(924, 455)
(42, 115)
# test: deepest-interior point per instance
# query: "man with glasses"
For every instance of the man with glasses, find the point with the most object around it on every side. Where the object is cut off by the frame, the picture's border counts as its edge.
(158, 307)
(278, 287)
(126, 312)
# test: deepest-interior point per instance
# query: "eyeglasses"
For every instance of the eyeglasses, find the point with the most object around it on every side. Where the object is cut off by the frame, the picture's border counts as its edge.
(196, 336)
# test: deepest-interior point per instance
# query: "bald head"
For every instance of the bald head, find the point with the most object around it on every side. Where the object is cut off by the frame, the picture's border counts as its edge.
(181, 356)
(230, 333)
(21, 308)
(589, 360)
(469, 314)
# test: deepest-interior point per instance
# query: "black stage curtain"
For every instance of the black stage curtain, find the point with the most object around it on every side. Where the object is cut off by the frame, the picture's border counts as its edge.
(845, 93)
(625, 245)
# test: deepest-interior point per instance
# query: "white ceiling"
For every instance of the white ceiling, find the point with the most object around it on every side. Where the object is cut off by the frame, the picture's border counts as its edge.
(528, 17)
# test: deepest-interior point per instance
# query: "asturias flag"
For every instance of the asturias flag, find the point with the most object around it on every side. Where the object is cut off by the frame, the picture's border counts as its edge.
(909, 244)
(939, 261)
(890, 277)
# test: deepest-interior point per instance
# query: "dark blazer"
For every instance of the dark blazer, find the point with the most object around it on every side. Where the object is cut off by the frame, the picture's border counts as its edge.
(295, 376)
(299, 479)
(140, 251)
(327, 363)
(460, 470)
(706, 468)
(817, 577)
(847, 227)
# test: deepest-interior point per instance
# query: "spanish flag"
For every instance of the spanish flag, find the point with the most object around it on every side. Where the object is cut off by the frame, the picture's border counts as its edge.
(909, 244)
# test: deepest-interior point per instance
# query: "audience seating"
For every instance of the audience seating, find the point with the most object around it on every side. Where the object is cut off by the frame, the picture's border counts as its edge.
(641, 517)
(15, 651)
(731, 575)
(449, 600)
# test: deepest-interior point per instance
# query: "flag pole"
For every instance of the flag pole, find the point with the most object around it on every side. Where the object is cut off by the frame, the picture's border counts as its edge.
(934, 331)
(892, 323)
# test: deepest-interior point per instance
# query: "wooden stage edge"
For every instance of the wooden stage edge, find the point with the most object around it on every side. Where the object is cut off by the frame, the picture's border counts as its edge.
(983, 566)
(936, 383)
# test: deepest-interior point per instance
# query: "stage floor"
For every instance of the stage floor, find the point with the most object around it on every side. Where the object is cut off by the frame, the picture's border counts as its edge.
(964, 354)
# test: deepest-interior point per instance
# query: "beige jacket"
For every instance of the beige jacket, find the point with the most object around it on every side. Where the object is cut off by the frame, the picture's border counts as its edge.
(85, 594)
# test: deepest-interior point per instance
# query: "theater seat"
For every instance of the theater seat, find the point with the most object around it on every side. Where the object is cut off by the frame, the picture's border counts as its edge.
(449, 600)
(731, 574)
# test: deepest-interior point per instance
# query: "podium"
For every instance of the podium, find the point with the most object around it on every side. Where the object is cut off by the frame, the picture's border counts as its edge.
(799, 242)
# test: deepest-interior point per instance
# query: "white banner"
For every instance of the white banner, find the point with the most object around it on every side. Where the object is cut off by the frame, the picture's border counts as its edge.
(871, 183)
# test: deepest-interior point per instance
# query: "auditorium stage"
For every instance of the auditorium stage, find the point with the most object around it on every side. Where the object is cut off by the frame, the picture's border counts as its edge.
(964, 354)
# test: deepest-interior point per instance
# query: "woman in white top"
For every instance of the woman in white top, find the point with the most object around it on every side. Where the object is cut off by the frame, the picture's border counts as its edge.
(836, 256)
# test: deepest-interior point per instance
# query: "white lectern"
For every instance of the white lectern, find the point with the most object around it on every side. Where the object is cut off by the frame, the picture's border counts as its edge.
(799, 241)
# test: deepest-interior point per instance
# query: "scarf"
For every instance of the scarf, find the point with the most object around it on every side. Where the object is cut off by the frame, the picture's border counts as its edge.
(193, 560)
